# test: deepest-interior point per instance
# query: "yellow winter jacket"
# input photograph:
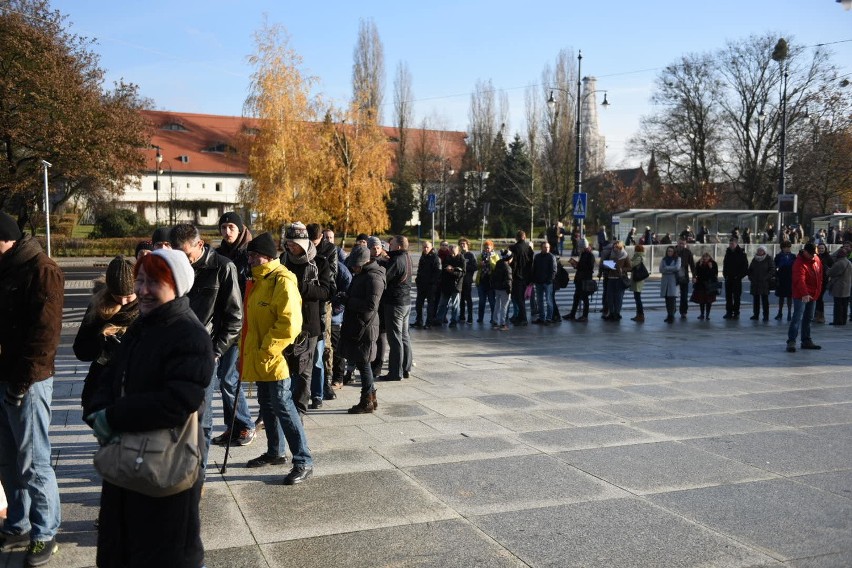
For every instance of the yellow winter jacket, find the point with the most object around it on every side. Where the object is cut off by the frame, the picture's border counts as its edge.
(273, 311)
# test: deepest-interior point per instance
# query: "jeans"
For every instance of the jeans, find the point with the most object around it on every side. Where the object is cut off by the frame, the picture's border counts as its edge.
(281, 417)
(486, 294)
(502, 297)
(614, 296)
(399, 342)
(29, 480)
(684, 298)
(544, 295)
(228, 377)
(467, 300)
(803, 314)
(338, 362)
(733, 293)
(207, 417)
(318, 371)
(367, 378)
(449, 304)
(301, 369)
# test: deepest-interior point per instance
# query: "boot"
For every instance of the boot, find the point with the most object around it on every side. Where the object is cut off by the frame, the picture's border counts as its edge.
(820, 317)
(328, 391)
(373, 400)
(639, 318)
(789, 313)
(364, 406)
(780, 313)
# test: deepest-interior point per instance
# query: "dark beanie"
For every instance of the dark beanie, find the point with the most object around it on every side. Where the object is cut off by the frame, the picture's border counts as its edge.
(119, 277)
(161, 235)
(9, 230)
(143, 245)
(232, 217)
(359, 256)
(263, 244)
(811, 248)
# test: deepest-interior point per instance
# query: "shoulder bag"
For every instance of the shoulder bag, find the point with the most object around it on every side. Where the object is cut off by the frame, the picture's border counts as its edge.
(158, 463)
(640, 272)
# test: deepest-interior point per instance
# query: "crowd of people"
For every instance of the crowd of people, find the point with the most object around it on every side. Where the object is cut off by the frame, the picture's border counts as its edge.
(183, 323)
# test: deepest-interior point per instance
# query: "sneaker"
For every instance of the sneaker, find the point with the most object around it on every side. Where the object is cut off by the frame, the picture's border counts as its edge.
(298, 474)
(245, 438)
(40, 551)
(504, 327)
(266, 459)
(9, 542)
(222, 438)
(315, 403)
(791, 347)
(328, 393)
(810, 345)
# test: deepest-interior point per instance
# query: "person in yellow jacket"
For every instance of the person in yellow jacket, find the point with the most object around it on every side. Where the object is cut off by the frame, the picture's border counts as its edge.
(273, 311)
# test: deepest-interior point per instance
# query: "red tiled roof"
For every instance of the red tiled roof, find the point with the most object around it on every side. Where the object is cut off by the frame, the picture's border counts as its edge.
(193, 134)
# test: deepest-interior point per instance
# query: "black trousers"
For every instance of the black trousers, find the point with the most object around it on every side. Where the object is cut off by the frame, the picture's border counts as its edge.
(761, 300)
(580, 296)
(684, 298)
(841, 310)
(733, 294)
(466, 304)
(519, 289)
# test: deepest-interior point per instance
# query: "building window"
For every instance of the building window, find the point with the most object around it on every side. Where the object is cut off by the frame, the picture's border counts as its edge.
(174, 126)
(218, 186)
(156, 185)
(187, 185)
(203, 186)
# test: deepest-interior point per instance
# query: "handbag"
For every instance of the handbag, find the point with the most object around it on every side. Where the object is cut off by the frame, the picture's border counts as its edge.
(773, 283)
(640, 272)
(590, 286)
(158, 463)
(528, 292)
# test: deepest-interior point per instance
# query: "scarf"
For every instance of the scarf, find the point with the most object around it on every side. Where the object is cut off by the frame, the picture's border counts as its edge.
(669, 260)
(232, 250)
(311, 270)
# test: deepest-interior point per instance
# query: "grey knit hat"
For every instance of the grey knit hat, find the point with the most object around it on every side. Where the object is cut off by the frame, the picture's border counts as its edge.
(358, 257)
(182, 271)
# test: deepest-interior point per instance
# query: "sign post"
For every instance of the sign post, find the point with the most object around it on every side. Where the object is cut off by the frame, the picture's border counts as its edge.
(431, 204)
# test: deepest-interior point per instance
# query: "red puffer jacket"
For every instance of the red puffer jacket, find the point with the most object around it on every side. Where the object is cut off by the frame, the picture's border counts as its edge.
(807, 276)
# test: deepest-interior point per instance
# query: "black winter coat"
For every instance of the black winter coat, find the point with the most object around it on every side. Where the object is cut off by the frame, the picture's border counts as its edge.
(360, 328)
(398, 276)
(91, 344)
(544, 268)
(452, 279)
(501, 278)
(215, 299)
(314, 291)
(166, 361)
(735, 264)
(328, 251)
(522, 254)
(428, 271)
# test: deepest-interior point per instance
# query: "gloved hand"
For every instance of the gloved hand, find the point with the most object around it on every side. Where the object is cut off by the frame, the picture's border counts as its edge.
(103, 431)
(15, 394)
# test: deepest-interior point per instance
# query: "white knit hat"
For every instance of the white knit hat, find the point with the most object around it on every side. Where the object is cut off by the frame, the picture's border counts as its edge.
(182, 271)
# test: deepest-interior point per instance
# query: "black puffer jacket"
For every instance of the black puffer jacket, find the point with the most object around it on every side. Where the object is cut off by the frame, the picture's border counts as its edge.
(360, 328)
(215, 299)
(501, 278)
(32, 289)
(428, 271)
(452, 279)
(328, 251)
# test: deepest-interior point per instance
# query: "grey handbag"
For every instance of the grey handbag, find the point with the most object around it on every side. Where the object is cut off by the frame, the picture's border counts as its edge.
(158, 463)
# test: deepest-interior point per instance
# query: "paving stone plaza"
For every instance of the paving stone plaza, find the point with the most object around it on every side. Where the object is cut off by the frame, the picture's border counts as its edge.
(587, 445)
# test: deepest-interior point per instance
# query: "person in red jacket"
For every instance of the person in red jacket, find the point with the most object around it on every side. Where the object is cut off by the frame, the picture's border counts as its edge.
(807, 285)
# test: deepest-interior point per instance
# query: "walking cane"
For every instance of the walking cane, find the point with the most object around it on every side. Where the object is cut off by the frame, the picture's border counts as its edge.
(231, 429)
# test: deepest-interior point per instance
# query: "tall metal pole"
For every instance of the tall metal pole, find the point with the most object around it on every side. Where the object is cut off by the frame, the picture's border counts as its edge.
(782, 181)
(578, 173)
(46, 205)
(158, 159)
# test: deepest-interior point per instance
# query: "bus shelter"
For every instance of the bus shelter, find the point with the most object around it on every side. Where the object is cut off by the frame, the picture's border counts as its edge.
(718, 222)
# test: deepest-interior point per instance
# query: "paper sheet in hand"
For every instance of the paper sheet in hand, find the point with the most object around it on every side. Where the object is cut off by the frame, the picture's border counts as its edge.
(609, 264)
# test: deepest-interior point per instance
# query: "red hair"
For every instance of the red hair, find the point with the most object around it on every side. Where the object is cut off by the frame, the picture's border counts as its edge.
(156, 268)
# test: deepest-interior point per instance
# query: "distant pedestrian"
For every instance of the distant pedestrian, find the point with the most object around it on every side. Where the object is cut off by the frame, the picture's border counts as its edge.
(501, 281)
(734, 269)
(761, 275)
(807, 284)
(839, 282)
(637, 286)
(704, 289)
(669, 288)
(784, 272)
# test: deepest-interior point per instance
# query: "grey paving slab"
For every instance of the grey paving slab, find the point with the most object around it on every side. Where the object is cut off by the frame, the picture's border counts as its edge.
(831, 394)
(459, 407)
(789, 520)
(578, 416)
(660, 391)
(451, 449)
(841, 560)
(238, 557)
(512, 483)
(522, 421)
(803, 415)
(401, 432)
(352, 502)
(467, 426)
(837, 482)
(787, 452)
(764, 400)
(506, 401)
(660, 467)
(559, 397)
(222, 524)
(585, 437)
(638, 410)
(626, 533)
(703, 426)
(450, 544)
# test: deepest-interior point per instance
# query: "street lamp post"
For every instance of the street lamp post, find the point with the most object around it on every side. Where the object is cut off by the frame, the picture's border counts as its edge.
(450, 173)
(780, 54)
(172, 210)
(159, 160)
(579, 99)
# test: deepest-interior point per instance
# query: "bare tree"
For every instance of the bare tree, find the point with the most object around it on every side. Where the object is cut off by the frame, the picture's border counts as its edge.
(403, 110)
(685, 133)
(558, 138)
(368, 70)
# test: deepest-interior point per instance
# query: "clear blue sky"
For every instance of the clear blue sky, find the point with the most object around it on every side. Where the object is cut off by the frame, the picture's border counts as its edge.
(190, 55)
